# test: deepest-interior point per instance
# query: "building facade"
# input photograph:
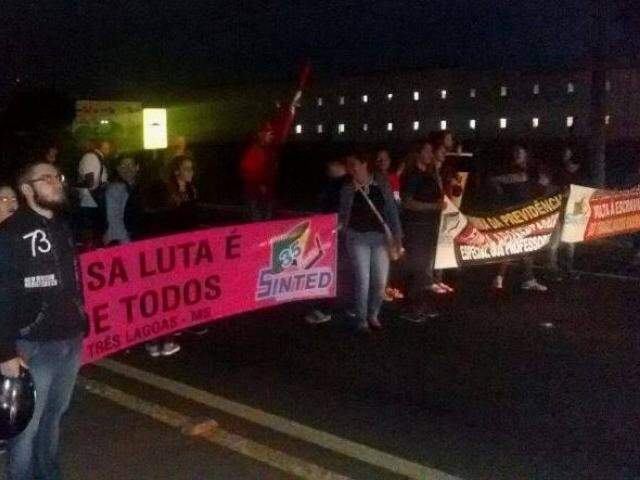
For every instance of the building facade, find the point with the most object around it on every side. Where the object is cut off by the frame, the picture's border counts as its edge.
(476, 105)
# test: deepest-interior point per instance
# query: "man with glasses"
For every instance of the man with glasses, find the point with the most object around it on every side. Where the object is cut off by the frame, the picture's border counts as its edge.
(43, 320)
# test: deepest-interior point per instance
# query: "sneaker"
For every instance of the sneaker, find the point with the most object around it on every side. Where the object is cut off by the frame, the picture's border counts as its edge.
(446, 287)
(374, 324)
(169, 348)
(152, 349)
(200, 331)
(316, 316)
(533, 285)
(498, 282)
(437, 289)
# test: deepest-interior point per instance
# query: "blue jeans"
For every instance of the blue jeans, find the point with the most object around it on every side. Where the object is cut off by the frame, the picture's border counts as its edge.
(54, 367)
(370, 261)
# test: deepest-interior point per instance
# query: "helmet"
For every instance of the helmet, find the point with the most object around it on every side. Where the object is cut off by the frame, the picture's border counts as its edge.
(17, 402)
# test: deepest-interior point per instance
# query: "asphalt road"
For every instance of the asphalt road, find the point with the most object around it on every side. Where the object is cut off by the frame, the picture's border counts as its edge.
(509, 386)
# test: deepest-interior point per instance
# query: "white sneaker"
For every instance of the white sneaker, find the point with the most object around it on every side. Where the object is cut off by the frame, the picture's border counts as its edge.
(169, 348)
(498, 282)
(152, 349)
(316, 316)
(533, 285)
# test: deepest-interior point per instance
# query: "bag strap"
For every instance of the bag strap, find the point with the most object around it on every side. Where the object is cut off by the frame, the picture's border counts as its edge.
(101, 160)
(375, 211)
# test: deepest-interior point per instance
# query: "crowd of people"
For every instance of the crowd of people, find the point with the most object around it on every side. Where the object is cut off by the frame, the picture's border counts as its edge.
(388, 211)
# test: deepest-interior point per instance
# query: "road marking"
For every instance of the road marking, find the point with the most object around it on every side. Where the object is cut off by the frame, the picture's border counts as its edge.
(219, 436)
(294, 429)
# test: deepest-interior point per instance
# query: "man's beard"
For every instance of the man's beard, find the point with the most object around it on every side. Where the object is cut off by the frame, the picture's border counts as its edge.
(56, 206)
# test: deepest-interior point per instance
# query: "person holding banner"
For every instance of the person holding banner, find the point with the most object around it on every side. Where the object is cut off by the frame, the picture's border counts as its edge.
(521, 183)
(422, 199)
(43, 320)
(369, 217)
(570, 173)
(180, 213)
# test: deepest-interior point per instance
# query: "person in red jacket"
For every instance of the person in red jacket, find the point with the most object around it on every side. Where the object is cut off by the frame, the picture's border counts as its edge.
(259, 166)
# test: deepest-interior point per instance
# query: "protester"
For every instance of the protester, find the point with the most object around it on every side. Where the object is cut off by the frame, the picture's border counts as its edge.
(422, 201)
(384, 167)
(369, 216)
(182, 209)
(570, 172)
(92, 181)
(8, 201)
(329, 202)
(259, 165)
(180, 213)
(177, 148)
(117, 196)
(42, 322)
(518, 185)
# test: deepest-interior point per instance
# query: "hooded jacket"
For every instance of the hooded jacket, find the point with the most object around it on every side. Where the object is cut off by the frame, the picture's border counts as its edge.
(40, 295)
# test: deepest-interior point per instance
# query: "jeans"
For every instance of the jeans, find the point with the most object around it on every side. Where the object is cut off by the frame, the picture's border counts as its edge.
(370, 261)
(54, 367)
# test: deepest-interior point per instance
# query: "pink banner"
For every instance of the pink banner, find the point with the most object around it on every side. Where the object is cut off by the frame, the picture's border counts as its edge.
(144, 290)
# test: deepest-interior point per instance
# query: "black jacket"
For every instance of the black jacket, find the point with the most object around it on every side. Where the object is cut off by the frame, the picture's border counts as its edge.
(40, 296)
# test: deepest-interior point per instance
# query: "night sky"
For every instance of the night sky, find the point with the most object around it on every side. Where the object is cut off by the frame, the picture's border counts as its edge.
(92, 47)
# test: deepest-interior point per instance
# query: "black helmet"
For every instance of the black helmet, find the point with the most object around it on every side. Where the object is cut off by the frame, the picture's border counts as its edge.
(17, 401)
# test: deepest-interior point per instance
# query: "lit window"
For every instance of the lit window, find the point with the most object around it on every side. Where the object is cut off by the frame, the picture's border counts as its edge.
(536, 89)
(607, 85)
(443, 124)
(503, 123)
(443, 94)
(389, 96)
(416, 95)
(503, 91)
(571, 87)
(320, 128)
(365, 98)
(389, 127)
(416, 125)
(607, 119)
(535, 122)
(319, 102)
(569, 122)
(365, 127)
(472, 93)
(472, 124)
(341, 128)
(298, 129)
(341, 100)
